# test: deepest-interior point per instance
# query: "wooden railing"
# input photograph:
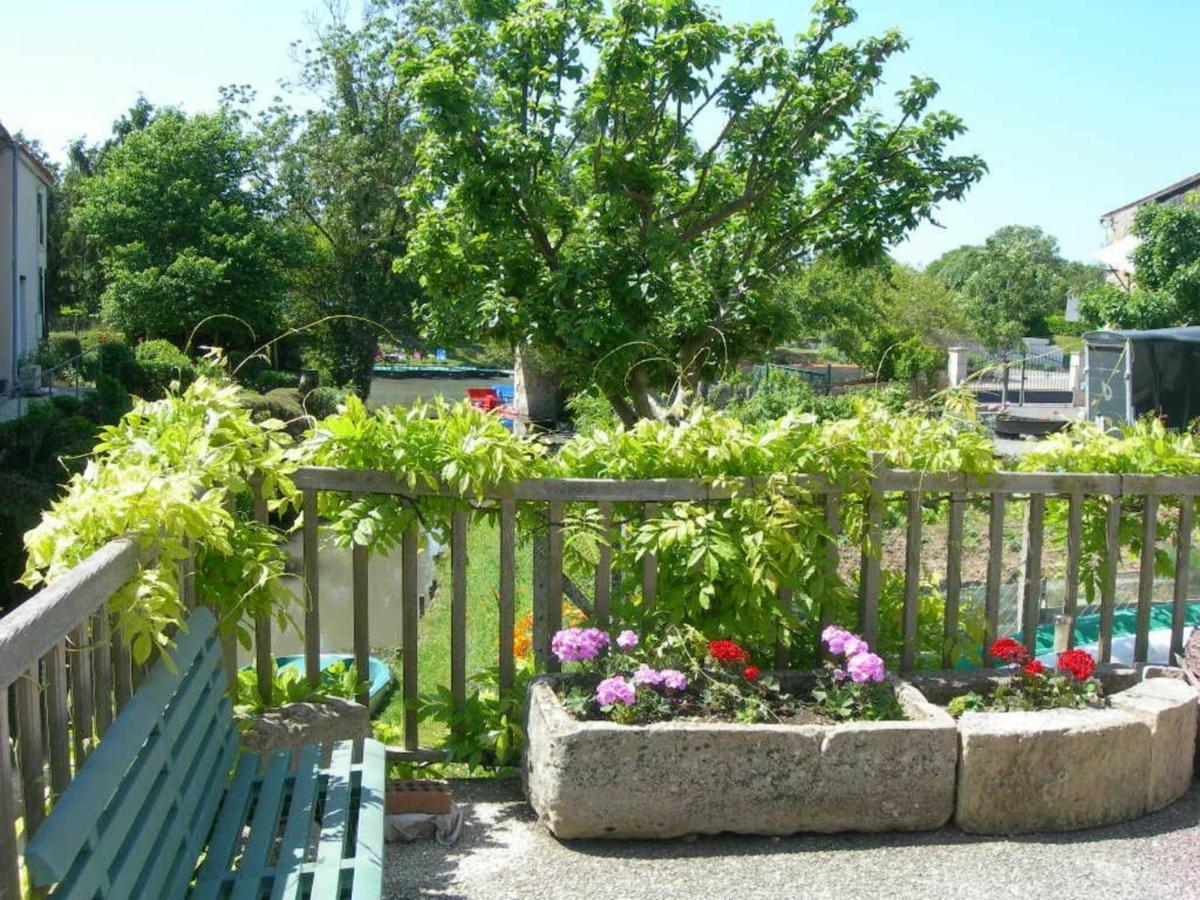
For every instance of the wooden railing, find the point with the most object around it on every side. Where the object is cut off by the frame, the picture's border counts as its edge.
(66, 673)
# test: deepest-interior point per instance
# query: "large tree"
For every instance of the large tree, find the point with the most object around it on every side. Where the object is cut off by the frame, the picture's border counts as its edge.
(344, 167)
(1009, 285)
(183, 227)
(621, 186)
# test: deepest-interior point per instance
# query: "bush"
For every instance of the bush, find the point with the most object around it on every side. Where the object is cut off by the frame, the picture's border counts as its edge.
(324, 401)
(282, 404)
(116, 360)
(263, 380)
(108, 402)
(1058, 325)
(159, 363)
(63, 345)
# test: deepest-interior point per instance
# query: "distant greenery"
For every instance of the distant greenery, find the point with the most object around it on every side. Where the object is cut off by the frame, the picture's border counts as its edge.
(636, 250)
(1166, 288)
(891, 320)
(777, 394)
(1009, 286)
(178, 217)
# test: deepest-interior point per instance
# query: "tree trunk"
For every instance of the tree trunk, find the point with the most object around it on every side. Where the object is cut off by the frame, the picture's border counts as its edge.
(537, 390)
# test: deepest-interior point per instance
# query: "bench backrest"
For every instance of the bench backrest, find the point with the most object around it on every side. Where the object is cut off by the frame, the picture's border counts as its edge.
(136, 816)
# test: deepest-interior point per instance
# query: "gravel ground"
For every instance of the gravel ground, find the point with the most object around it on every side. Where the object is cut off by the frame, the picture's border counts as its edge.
(504, 853)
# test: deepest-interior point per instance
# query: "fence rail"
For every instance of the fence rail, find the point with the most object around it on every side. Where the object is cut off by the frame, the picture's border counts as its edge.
(67, 673)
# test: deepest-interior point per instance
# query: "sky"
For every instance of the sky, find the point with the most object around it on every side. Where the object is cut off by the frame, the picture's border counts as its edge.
(1078, 106)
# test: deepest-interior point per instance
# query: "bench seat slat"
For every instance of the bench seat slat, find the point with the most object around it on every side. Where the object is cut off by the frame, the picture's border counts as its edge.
(263, 827)
(334, 822)
(368, 854)
(299, 825)
(208, 792)
(228, 827)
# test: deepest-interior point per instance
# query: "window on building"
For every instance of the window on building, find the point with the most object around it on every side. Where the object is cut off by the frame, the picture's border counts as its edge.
(41, 218)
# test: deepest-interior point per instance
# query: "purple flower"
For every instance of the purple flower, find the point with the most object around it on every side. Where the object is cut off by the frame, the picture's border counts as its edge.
(673, 679)
(616, 690)
(647, 675)
(627, 640)
(573, 644)
(839, 675)
(854, 645)
(866, 667)
(835, 638)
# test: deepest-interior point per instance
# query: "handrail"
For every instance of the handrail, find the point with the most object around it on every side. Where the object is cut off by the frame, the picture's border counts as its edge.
(30, 631)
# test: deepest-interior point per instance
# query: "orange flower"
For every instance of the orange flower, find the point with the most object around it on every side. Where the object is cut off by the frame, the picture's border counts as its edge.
(523, 637)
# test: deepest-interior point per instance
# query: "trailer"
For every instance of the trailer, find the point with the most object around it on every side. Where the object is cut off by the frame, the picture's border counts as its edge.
(1131, 374)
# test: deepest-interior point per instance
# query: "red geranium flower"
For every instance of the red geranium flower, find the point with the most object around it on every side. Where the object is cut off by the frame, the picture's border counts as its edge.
(751, 673)
(1009, 651)
(1078, 662)
(1034, 667)
(727, 653)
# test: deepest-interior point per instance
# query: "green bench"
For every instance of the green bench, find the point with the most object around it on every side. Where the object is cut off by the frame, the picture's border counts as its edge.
(154, 813)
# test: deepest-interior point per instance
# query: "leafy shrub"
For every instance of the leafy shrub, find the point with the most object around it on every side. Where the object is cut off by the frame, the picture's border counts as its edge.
(324, 401)
(1139, 308)
(63, 345)
(1059, 325)
(160, 363)
(264, 380)
(116, 360)
(283, 404)
(776, 394)
(591, 411)
(108, 402)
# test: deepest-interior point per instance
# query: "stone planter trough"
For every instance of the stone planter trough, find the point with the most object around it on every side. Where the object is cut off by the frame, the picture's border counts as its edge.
(604, 780)
(1066, 769)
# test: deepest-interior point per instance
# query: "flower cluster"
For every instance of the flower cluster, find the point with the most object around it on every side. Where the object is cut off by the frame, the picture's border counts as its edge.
(857, 689)
(1033, 685)
(575, 644)
(861, 664)
(727, 653)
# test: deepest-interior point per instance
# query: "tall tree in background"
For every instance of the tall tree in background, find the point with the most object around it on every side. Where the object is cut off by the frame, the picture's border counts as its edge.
(182, 225)
(621, 187)
(1008, 286)
(344, 169)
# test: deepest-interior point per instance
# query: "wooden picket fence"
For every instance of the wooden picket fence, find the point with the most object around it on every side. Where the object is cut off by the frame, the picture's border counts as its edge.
(67, 674)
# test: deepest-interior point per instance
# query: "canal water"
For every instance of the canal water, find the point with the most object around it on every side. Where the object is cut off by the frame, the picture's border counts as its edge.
(383, 579)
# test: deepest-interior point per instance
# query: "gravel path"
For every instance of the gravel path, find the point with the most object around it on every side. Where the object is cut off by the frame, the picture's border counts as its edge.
(504, 853)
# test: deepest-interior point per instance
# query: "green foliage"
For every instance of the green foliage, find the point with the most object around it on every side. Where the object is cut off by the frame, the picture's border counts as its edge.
(889, 319)
(965, 645)
(288, 685)
(162, 476)
(263, 380)
(177, 216)
(162, 363)
(1167, 261)
(1145, 447)
(116, 360)
(569, 198)
(776, 394)
(486, 732)
(1116, 307)
(1029, 692)
(848, 700)
(1058, 325)
(1010, 285)
(324, 401)
(344, 165)
(457, 446)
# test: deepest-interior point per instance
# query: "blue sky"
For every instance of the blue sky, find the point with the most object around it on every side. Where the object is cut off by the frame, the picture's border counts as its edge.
(1078, 106)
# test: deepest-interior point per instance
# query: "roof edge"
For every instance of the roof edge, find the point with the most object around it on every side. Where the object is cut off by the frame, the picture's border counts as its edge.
(1177, 187)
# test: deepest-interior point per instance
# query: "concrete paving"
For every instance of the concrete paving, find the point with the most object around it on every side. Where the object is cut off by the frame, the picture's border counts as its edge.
(504, 853)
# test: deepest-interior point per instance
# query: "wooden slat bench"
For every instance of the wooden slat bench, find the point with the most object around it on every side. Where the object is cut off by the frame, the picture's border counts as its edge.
(153, 813)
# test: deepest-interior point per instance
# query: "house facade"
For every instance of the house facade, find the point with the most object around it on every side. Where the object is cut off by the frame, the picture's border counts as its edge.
(24, 209)
(1117, 223)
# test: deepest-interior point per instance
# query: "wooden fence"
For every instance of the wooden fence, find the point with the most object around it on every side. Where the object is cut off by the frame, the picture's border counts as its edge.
(67, 674)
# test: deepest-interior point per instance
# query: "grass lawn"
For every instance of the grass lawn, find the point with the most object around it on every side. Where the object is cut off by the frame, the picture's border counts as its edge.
(483, 621)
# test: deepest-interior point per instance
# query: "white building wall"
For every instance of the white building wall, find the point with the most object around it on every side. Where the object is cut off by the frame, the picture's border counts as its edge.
(22, 286)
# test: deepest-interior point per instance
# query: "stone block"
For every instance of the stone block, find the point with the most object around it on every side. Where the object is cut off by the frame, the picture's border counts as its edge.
(604, 780)
(1051, 770)
(1168, 707)
(297, 724)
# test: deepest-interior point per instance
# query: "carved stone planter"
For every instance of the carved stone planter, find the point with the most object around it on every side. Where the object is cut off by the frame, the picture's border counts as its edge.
(603, 780)
(1066, 769)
